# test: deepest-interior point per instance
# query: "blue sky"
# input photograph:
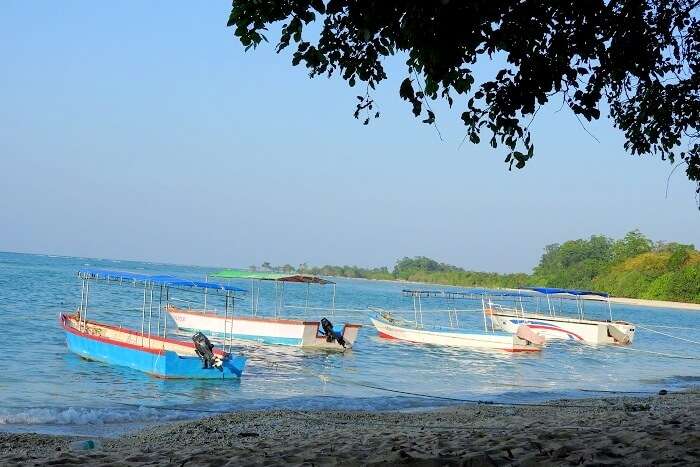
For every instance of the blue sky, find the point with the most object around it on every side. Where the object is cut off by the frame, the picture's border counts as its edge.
(141, 130)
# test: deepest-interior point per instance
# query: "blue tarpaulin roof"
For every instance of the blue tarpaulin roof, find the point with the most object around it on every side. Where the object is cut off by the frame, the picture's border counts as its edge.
(555, 290)
(166, 280)
(464, 293)
(493, 293)
(524, 292)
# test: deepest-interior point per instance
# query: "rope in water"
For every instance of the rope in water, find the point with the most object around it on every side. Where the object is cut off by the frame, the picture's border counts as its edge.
(327, 379)
(668, 355)
(687, 328)
(667, 335)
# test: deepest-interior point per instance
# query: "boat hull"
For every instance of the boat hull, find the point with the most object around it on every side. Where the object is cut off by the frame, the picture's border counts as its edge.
(552, 327)
(507, 343)
(261, 329)
(127, 351)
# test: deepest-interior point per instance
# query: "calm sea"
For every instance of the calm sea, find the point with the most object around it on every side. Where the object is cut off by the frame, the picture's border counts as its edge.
(45, 388)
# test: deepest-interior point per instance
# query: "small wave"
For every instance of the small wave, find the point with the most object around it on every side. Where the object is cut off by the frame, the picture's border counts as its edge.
(682, 381)
(84, 416)
(104, 416)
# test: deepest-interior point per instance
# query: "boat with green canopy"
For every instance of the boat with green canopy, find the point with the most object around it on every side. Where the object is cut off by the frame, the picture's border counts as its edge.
(271, 325)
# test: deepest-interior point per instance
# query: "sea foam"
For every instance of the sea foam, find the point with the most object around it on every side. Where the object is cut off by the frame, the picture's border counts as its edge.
(86, 416)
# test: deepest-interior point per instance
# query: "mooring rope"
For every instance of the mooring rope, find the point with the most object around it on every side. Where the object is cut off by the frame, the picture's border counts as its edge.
(667, 335)
(668, 355)
(687, 328)
(328, 379)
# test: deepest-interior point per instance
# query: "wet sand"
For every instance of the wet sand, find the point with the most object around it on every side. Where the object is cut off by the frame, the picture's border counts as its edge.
(657, 430)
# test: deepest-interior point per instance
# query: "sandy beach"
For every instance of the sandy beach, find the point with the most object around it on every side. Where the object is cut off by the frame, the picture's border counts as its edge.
(656, 303)
(656, 430)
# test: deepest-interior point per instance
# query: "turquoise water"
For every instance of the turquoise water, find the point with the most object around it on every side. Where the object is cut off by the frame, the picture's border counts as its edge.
(43, 387)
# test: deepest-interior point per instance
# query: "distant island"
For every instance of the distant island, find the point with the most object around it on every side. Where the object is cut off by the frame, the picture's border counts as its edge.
(633, 266)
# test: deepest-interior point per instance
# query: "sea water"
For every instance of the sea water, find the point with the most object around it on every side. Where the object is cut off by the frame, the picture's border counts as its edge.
(43, 387)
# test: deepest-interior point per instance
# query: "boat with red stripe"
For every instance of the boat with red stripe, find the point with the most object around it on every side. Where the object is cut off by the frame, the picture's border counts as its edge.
(555, 324)
(149, 350)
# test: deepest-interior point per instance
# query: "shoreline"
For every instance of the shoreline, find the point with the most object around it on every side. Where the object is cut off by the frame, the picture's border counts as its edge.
(620, 300)
(619, 430)
(656, 303)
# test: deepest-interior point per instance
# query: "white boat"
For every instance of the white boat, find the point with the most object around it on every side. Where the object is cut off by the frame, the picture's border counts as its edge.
(517, 342)
(264, 330)
(268, 326)
(388, 326)
(557, 326)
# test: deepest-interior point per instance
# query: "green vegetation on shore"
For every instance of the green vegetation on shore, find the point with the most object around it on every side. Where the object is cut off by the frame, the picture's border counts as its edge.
(633, 266)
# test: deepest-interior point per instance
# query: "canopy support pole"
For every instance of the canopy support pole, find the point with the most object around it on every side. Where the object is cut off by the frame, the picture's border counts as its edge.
(420, 311)
(85, 309)
(333, 302)
(233, 311)
(225, 320)
(257, 299)
(522, 308)
(167, 304)
(160, 305)
(454, 309)
(449, 314)
(282, 299)
(415, 310)
(277, 299)
(150, 315)
(205, 293)
(143, 312)
(579, 307)
(82, 297)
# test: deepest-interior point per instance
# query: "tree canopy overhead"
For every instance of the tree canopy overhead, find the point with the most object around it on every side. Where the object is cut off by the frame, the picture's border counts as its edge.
(641, 57)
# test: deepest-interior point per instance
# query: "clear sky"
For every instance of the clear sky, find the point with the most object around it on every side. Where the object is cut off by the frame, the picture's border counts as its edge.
(141, 130)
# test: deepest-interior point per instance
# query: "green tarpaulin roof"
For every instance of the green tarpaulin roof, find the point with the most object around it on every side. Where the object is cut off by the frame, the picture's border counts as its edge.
(269, 276)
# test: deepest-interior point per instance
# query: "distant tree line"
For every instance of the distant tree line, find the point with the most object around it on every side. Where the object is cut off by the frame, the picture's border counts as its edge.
(633, 266)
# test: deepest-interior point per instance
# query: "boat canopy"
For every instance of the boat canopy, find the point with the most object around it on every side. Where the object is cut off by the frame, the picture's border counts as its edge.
(270, 276)
(422, 293)
(555, 290)
(165, 280)
(468, 293)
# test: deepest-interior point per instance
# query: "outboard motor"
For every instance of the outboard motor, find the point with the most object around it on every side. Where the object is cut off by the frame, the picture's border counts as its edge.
(331, 335)
(204, 348)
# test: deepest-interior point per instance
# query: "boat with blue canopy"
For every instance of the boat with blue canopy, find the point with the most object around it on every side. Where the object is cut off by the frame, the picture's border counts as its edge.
(270, 326)
(150, 349)
(568, 322)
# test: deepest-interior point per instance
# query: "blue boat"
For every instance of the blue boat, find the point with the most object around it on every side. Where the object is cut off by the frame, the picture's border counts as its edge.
(149, 350)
